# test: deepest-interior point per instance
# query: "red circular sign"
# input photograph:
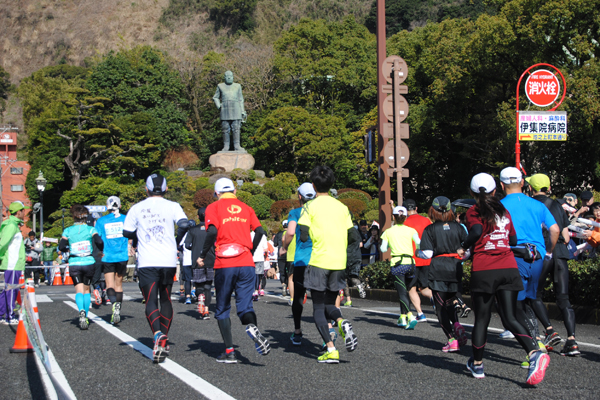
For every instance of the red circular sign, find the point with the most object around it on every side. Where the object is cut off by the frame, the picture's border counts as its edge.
(542, 88)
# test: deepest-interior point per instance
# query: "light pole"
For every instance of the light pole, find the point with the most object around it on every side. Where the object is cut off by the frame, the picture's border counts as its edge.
(41, 185)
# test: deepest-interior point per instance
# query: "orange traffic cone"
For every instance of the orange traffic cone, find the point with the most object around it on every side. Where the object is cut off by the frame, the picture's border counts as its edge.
(22, 343)
(68, 279)
(57, 278)
(22, 278)
(33, 301)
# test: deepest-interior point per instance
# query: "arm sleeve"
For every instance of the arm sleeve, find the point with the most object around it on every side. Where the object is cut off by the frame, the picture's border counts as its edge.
(353, 236)
(384, 245)
(474, 234)
(189, 241)
(211, 237)
(182, 227)
(416, 239)
(63, 245)
(130, 235)
(425, 254)
(258, 235)
(98, 242)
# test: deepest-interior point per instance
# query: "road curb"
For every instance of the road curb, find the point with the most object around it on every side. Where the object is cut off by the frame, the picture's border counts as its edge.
(583, 315)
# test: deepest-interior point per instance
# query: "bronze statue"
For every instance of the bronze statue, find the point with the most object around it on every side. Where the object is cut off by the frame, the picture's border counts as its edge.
(228, 98)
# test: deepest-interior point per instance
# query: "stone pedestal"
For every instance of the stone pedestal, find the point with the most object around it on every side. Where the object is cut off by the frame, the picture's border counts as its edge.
(231, 160)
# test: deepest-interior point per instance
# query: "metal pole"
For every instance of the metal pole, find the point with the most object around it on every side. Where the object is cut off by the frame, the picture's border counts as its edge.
(63, 219)
(41, 214)
(385, 212)
(34, 223)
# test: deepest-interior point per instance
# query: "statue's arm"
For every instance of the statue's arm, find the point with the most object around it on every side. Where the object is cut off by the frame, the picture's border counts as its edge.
(217, 98)
(242, 101)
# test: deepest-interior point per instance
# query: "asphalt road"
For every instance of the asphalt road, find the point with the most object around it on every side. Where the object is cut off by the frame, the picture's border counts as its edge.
(389, 361)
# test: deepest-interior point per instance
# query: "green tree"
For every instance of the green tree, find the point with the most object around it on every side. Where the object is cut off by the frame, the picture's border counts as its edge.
(5, 89)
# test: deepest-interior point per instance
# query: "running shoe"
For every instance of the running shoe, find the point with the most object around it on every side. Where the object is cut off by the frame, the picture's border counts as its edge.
(525, 364)
(116, 315)
(188, 300)
(465, 312)
(451, 346)
(193, 293)
(260, 342)
(543, 348)
(348, 303)
(460, 334)
(83, 321)
(97, 297)
(402, 322)
(570, 349)
(507, 335)
(329, 357)
(341, 294)
(432, 303)
(349, 337)
(201, 309)
(476, 370)
(421, 317)
(538, 363)
(296, 339)
(290, 302)
(4, 321)
(551, 340)
(261, 292)
(161, 350)
(14, 321)
(206, 314)
(412, 323)
(227, 358)
(108, 302)
(255, 296)
(361, 290)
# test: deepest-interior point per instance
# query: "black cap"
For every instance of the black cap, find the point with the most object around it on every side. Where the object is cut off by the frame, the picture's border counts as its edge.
(409, 204)
(586, 195)
(156, 184)
(362, 222)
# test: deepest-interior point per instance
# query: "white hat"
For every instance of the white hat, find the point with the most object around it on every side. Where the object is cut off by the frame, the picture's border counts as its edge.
(156, 183)
(307, 191)
(285, 223)
(483, 180)
(224, 185)
(510, 175)
(111, 201)
(399, 210)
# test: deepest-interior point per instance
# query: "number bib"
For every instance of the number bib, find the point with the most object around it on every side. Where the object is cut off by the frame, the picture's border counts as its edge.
(114, 230)
(81, 249)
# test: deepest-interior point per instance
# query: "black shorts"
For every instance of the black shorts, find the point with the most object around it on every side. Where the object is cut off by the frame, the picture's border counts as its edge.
(82, 273)
(120, 268)
(299, 275)
(421, 278)
(164, 276)
(496, 279)
(324, 279)
(185, 273)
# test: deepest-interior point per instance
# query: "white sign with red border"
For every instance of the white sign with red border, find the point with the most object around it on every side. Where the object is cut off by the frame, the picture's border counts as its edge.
(542, 88)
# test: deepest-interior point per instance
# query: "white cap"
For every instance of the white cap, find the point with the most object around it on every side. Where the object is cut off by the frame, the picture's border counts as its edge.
(399, 210)
(112, 200)
(224, 185)
(156, 183)
(307, 191)
(510, 175)
(483, 180)
(285, 223)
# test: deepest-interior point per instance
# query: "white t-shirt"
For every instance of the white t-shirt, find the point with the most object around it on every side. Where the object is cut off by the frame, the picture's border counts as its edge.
(187, 254)
(155, 219)
(259, 254)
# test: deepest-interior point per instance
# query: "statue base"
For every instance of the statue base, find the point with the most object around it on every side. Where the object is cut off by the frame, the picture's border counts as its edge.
(231, 160)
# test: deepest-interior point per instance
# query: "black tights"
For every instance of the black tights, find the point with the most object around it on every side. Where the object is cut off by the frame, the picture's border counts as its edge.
(527, 318)
(297, 306)
(204, 288)
(400, 284)
(158, 320)
(558, 268)
(324, 310)
(445, 310)
(507, 302)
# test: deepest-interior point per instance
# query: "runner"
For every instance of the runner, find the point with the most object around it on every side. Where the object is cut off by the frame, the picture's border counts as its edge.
(229, 224)
(327, 222)
(400, 239)
(202, 277)
(79, 239)
(116, 254)
(302, 251)
(495, 275)
(439, 243)
(259, 264)
(152, 222)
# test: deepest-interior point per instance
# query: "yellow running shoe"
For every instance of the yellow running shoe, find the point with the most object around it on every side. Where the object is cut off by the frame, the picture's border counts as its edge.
(330, 357)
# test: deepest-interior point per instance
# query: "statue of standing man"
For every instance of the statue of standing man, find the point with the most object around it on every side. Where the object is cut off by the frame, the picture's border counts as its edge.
(228, 98)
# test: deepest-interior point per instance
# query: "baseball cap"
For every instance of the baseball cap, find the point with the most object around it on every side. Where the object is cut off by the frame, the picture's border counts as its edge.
(586, 195)
(570, 195)
(285, 223)
(442, 204)
(307, 191)
(510, 175)
(362, 222)
(399, 210)
(156, 183)
(538, 182)
(409, 204)
(111, 201)
(483, 180)
(16, 206)
(224, 185)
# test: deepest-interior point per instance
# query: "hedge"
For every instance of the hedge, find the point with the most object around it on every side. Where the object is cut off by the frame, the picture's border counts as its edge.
(261, 205)
(252, 188)
(280, 209)
(354, 194)
(356, 207)
(277, 190)
(203, 198)
(584, 281)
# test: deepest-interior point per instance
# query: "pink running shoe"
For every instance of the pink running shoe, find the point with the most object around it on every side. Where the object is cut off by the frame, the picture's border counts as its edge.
(255, 296)
(261, 292)
(451, 347)
(460, 334)
(97, 297)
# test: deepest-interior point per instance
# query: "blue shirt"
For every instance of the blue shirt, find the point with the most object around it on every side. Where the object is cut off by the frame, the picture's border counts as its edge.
(528, 215)
(110, 230)
(303, 249)
(80, 243)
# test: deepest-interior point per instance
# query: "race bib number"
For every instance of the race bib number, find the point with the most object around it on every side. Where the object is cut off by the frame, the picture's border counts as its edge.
(81, 248)
(114, 230)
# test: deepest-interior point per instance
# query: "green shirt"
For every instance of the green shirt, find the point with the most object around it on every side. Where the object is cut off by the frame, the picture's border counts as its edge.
(12, 246)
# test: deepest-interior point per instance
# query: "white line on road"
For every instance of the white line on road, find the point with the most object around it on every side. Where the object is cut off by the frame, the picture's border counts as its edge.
(185, 375)
(43, 298)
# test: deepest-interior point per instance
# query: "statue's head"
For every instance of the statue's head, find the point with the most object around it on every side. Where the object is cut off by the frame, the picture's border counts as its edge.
(229, 77)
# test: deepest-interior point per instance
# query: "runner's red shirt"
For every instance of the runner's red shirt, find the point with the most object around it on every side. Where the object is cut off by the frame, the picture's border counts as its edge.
(234, 221)
(418, 223)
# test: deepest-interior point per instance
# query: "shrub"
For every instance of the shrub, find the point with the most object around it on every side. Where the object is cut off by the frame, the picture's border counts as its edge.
(372, 215)
(203, 198)
(277, 190)
(271, 227)
(246, 175)
(378, 275)
(355, 194)
(179, 158)
(243, 196)
(373, 205)
(252, 188)
(203, 183)
(261, 205)
(356, 207)
(280, 209)
(584, 281)
(288, 179)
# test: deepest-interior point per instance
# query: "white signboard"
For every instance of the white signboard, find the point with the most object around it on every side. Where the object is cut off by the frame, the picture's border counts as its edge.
(542, 125)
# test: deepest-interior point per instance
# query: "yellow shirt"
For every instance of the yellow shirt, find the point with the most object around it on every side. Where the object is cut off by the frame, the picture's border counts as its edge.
(400, 238)
(291, 251)
(328, 221)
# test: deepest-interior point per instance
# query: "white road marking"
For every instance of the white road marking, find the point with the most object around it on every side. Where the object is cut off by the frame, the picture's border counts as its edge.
(185, 375)
(43, 298)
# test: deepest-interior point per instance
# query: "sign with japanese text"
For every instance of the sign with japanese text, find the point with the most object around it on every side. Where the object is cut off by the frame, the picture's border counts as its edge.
(542, 125)
(542, 87)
